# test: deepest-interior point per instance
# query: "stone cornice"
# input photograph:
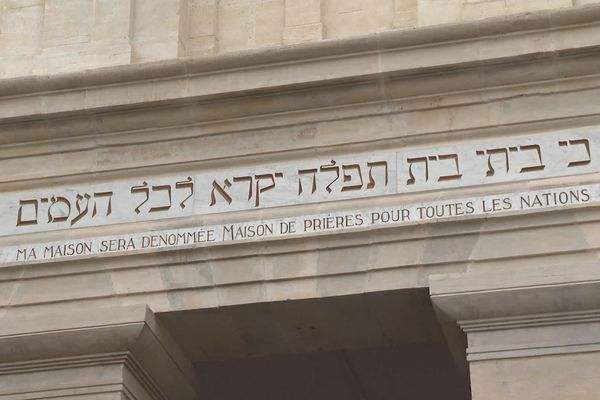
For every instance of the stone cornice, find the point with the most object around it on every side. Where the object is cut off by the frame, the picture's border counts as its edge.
(533, 335)
(438, 36)
(535, 320)
(516, 296)
(399, 53)
(303, 93)
(130, 336)
(124, 359)
(526, 312)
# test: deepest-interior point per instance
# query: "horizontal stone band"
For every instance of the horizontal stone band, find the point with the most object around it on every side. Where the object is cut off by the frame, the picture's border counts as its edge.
(305, 225)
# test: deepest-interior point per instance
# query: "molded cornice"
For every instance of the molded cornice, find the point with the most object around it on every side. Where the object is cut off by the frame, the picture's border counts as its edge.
(444, 48)
(128, 336)
(525, 312)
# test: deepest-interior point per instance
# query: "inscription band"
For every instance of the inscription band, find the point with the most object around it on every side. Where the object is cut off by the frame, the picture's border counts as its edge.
(305, 225)
(394, 171)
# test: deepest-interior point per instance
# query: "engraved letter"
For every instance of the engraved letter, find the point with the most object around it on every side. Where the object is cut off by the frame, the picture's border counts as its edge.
(56, 200)
(156, 189)
(221, 191)
(109, 206)
(371, 165)
(584, 142)
(245, 178)
(144, 189)
(312, 171)
(331, 167)
(454, 157)
(185, 184)
(81, 212)
(411, 177)
(20, 221)
(490, 152)
(348, 177)
(260, 190)
(539, 154)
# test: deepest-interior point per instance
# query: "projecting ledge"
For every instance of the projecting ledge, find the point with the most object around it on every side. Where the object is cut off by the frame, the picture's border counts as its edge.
(110, 353)
(516, 292)
(398, 53)
(533, 333)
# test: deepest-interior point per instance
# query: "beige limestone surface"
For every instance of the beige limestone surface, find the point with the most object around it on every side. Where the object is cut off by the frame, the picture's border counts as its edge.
(556, 377)
(39, 37)
(523, 288)
(260, 108)
(532, 333)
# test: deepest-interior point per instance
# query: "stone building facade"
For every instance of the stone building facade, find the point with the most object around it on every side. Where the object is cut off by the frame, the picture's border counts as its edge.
(316, 199)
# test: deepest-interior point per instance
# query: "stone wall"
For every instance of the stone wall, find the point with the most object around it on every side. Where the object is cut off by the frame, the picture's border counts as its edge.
(513, 292)
(39, 37)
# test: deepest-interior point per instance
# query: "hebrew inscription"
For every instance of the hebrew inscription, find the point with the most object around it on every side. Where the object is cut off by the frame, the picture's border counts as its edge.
(305, 225)
(60, 208)
(314, 180)
(512, 159)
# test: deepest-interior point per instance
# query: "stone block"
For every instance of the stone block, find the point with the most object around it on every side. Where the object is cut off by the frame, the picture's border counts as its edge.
(237, 270)
(199, 30)
(135, 280)
(185, 275)
(433, 12)
(291, 289)
(285, 266)
(202, 18)
(67, 22)
(474, 9)
(20, 31)
(202, 45)
(156, 25)
(22, 3)
(80, 56)
(70, 287)
(17, 66)
(153, 50)
(343, 260)
(340, 285)
(302, 12)
(112, 21)
(405, 13)
(554, 377)
(191, 299)
(233, 25)
(519, 6)
(80, 35)
(303, 33)
(389, 279)
(241, 294)
(358, 17)
(269, 23)
(302, 21)
(155, 19)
